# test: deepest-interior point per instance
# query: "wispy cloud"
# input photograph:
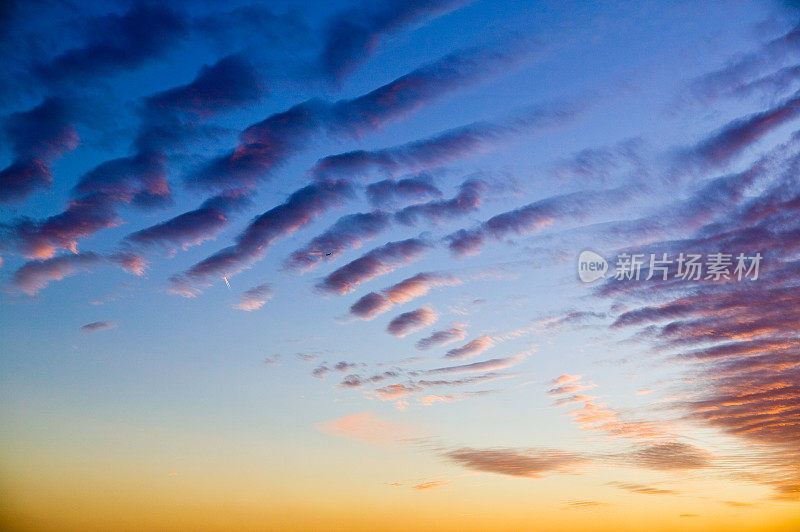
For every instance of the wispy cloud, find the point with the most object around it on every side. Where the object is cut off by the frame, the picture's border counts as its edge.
(368, 428)
(443, 337)
(254, 298)
(98, 326)
(513, 462)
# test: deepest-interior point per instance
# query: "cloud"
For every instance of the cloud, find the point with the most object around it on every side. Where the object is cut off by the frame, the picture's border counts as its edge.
(394, 392)
(348, 232)
(248, 26)
(493, 364)
(470, 349)
(193, 227)
(368, 428)
(387, 191)
(670, 456)
(566, 379)
(265, 145)
(98, 326)
(254, 298)
(35, 275)
(466, 381)
(352, 35)
(536, 216)
(409, 322)
(640, 488)
(356, 381)
(569, 388)
(298, 210)
(443, 337)
(585, 504)
(469, 198)
(138, 179)
(431, 484)
(141, 179)
(736, 73)
(130, 262)
(743, 132)
(227, 84)
(378, 261)
(37, 137)
(513, 462)
(437, 150)
(375, 303)
(595, 416)
(117, 42)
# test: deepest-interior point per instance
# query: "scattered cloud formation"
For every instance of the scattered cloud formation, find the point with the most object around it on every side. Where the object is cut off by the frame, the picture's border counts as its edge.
(640, 488)
(37, 137)
(378, 261)
(534, 217)
(352, 35)
(513, 462)
(443, 337)
(388, 191)
(35, 275)
(265, 145)
(298, 210)
(431, 484)
(254, 298)
(471, 349)
(409, 322)
(368, 428)
(98, 326)
(116, 43)
(349, 232)
(493, 364)
(375, 303)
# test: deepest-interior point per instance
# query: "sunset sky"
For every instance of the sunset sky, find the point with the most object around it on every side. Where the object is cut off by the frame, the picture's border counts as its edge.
(315, 265)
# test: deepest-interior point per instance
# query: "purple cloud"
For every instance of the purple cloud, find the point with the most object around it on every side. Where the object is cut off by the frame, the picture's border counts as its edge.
(384, 193)
(298, 210)
(471, 349)
(227, 84)
(254, 298)
(450, 145)
(353, 34)
(378, 261)
(193, 227)
(443, 337)
(37, 137)
(268, 143)
(348, 232)
(116, 43)
(468, 199)
(98, 326)
(536, 216)
(409, 322)
(493, 364)
(32, 276)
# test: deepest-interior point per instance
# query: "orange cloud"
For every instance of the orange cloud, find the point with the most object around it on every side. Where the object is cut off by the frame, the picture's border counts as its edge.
(367, 428)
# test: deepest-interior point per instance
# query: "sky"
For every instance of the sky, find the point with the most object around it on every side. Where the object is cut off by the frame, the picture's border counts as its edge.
(445, 265)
